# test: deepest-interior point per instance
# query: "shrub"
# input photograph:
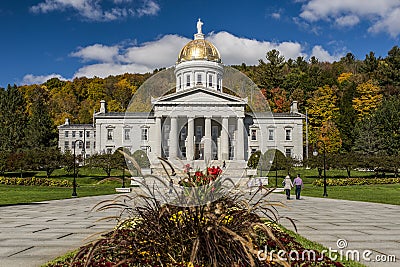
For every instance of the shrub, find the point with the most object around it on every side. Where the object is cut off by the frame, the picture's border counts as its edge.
(35, 181)
(356, 181)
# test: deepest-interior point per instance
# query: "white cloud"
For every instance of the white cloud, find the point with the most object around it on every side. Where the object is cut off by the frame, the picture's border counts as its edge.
(323, 56)
(156, 54)
(93, 10)
(33, 79)
(383, 14)
(105, 69)
(349, 20)
(391, 24)
(276, 15)
(141, 58)
(236, 50)
(97, 52)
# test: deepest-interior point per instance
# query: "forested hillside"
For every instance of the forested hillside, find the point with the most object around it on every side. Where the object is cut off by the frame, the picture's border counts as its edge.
(352, 104)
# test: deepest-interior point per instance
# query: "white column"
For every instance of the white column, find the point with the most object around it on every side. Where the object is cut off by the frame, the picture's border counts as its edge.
(225, 139)
(207, 139)
(190, 140)
(157, 148)
(240, 139)
(173, 138)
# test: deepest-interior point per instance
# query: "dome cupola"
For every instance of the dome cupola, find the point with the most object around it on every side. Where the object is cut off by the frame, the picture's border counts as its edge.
(199, 64)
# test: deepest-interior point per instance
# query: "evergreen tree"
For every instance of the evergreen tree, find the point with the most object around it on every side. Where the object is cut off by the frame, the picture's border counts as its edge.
(39, 131)
(12, 119)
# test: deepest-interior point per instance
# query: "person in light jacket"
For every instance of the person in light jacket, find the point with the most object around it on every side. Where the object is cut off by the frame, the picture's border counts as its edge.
(287, 183)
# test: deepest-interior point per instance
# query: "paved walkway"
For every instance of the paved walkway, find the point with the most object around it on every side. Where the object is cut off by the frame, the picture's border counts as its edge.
(33, 234)
(30, 235)
(352, 225)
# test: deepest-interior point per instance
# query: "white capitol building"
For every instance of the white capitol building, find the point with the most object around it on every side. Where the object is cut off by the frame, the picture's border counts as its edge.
(200, 121)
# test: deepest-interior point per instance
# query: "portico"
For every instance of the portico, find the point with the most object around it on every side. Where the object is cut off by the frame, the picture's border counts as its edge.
(200, 124)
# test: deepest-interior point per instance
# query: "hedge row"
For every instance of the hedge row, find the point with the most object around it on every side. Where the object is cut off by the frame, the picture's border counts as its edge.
(356, 181)
(35, 181)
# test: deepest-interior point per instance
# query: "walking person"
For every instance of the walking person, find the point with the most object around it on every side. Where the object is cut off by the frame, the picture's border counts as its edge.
(287, 183)
(298, 183)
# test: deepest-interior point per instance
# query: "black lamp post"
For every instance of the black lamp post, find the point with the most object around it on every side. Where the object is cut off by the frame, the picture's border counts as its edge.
(315, 153)
(123, 177)
(276, 170)
(74, 194)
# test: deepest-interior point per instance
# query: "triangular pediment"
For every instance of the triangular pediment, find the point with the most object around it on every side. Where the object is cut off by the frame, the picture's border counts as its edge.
(199, 96)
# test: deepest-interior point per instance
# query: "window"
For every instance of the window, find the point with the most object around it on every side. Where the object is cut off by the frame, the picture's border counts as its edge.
(127, 134)
(109, 150)
(271, 134)
(214, 133)
(110, 134)
(73, 133)
(87, 144)
(180, 82)
(253, 150)
(218, 81)
(66, 145)
(199, 79)
(80, 145)
(210, 81)
(165, 130)
(183, 133)
(187, 80)
(199, 133)
(145, 134)
(88, 134)
(94, 144)
(66, 133)
(94, 133)
(288, 152)
(288, 134)
(253, 135)
(80, 134)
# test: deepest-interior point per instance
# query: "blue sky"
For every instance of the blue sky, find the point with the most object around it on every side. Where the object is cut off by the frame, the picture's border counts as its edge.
(41, 39)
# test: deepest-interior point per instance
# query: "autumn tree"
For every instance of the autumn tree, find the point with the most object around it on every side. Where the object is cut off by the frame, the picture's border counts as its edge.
(321, 109)
(368, 97)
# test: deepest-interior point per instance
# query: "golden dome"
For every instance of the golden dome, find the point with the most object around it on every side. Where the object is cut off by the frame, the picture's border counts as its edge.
(199, 49)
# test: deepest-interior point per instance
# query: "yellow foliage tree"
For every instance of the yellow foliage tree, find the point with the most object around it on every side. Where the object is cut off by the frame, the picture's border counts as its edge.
(345, 76)
(368, 98)
(330, 135)
(321, 109)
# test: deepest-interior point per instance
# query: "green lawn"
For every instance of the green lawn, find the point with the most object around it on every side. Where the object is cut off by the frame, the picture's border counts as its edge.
(15, 194)
(388, 194)
(87, 181)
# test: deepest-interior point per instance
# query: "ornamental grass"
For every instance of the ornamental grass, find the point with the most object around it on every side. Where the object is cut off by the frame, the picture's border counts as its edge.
(229, 231)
